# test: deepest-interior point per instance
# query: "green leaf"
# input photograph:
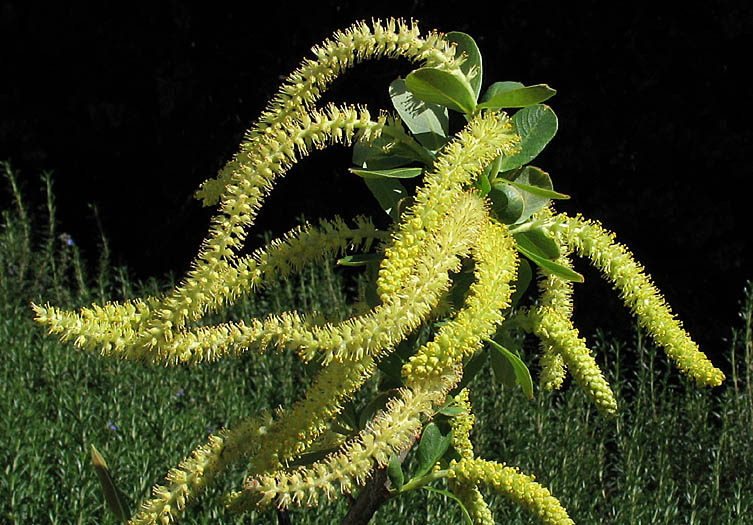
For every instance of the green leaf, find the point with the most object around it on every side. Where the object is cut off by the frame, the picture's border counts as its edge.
(551, 267)
(499, 87)
(395, 472)
(428, 122)
(536, 181)
(522, 375)
(483, 184)
(452, 411)
(465, 44)
(373, 156)
(466, 515)
(395, 173)
(392, 365)
(519, 98)
(538, 242)
(507, 202)
(114, 498)
(359, 259)
(524, 179)
(432, 446)
(461, 282)
(536, 126)
(529, 178)
(440, 87)
(537, 190)
(504, 372)
(348, 416)
(389, 193)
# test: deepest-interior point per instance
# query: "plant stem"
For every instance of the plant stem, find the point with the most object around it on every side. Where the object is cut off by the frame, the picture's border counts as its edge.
(373, 495)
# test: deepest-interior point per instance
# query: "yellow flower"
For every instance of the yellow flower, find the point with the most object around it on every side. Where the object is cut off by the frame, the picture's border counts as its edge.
(639, 294)
(520, 488)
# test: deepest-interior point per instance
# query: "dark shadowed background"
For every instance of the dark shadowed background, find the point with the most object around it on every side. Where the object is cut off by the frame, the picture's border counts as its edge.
(133, 107)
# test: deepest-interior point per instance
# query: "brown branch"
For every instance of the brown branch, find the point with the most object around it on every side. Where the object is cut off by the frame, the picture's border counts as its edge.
(371, 497)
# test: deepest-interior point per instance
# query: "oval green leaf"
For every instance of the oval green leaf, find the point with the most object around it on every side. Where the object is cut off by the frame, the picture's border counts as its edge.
(452, 411)
(507, 202)
(428, 122)
(499, 87)
(503, 370)
(389, 193)
(465, 44)
(551, 267)
(537, 181)
(541, 192)
(395, 472)
(538, 242)
(431, 447)
(395, 173)
(519, 97)
(536, 178)
(536, 126)
(520, 370)
(440, 87)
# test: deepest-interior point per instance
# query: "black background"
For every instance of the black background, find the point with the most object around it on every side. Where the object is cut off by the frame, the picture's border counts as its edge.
(133, 107)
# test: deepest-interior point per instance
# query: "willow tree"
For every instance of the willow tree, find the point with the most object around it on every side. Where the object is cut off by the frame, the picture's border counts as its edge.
(460, 253)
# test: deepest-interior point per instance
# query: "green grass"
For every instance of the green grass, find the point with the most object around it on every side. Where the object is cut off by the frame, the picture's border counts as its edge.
(675, 454)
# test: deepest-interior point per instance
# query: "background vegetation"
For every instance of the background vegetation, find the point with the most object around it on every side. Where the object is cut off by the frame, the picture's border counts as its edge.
(675, 454)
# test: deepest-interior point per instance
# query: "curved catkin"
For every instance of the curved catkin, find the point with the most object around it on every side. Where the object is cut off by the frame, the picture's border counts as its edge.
(296, 455)
(489, 296)
(518, 487)
(189, 479)
(555, 293)
(392, 429)
(640, 295)
(116, 328)
(305, 86)
(558, 332)
(204, 287)
(467, 491)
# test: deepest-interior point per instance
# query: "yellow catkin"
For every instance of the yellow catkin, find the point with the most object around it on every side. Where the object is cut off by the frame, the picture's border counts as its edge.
(484, 138)
(639, 294)
(116, 328)
(305, 86)
(489, 296)
(197, 471)
(343, 471)
(467, 491)
(558, 331)
(204, 284)
(555, 293)
(509, 482)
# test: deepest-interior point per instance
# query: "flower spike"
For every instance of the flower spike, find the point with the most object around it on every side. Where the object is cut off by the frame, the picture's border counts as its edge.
(640, 295)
